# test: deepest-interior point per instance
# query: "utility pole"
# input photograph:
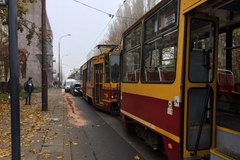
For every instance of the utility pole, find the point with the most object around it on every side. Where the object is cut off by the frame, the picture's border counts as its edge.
(14, 79)
(44, 60)
(59, 60)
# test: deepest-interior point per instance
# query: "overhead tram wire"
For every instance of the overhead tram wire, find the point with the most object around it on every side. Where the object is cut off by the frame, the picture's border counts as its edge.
(92, 46)
(131, 18)
(109, 14)
(102, 32)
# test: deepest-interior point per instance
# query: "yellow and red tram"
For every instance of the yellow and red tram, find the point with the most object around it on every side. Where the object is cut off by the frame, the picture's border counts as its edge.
(170, 78)
(100, 83)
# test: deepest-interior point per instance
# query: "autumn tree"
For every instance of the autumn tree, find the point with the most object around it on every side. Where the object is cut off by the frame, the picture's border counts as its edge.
(129, 13)
(23, 24)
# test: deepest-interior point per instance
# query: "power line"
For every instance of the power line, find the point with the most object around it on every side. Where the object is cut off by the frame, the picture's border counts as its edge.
(109, 14)
(104, 12)
(133, 19)
(92, 46)
(102, 31)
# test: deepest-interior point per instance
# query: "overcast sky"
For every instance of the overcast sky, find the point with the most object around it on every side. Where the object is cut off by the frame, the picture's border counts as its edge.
(85, 25)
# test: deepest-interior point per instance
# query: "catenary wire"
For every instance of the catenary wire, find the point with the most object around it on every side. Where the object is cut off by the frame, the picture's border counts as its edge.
(109, 14)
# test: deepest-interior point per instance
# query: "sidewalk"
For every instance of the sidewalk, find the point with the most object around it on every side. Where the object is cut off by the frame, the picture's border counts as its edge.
(44, 135)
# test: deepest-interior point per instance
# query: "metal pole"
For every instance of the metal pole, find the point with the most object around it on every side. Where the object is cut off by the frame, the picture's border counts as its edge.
(59, 85)
(61, 67)
(14, 79)
(44, 60)
(59, 72)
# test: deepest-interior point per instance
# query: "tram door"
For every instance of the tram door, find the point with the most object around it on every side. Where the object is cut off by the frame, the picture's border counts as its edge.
(200, 85)
(84, 80)
(98, 70)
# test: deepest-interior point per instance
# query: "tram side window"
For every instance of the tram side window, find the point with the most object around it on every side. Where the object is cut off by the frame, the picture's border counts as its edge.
(115, 62)
(162, 21)
(107, 73)
(236, 56)
(131, 66)
(201, 51)
(234, 53)
(159, 59)
(132, 39)
(222, 51)
(89, 71)
(151, 27)
(131, 54)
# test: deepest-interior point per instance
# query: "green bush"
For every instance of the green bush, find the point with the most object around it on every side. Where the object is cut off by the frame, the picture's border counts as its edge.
(4, 98)
(37, 89)
(22, 94)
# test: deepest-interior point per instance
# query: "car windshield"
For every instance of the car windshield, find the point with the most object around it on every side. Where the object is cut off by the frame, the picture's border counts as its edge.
(68, 83)
(77, 85)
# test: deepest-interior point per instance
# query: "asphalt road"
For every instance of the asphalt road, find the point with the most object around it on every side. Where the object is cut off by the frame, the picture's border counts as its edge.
(101, 136)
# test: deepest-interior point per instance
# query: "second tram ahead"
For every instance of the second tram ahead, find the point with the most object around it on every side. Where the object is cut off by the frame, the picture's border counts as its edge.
(100, 79)
(180, 86)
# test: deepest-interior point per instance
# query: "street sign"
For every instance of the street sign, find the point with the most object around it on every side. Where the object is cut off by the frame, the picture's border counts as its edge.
(3, 2)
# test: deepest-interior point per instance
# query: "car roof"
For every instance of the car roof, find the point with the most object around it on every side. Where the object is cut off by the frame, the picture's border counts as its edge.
(71, 80)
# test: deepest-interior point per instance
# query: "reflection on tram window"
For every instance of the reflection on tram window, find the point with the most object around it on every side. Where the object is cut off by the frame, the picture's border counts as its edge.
(159, 59)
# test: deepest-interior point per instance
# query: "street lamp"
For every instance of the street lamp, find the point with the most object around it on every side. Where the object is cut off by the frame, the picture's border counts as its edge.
(59, 80)
(61, 66)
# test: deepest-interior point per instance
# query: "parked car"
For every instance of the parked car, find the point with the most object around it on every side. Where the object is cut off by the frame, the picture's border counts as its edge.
(68, 83)
(75, 89)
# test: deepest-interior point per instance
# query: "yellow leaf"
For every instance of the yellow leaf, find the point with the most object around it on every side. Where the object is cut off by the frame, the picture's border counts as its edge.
(59, 157)
(74, 143)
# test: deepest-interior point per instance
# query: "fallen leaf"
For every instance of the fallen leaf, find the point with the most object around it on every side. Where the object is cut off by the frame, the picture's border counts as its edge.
(59, 157)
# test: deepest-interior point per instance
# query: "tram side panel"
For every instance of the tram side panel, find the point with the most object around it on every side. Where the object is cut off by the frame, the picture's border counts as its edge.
(110, 95)
(87, 81)
(157, 114)
(150, 88)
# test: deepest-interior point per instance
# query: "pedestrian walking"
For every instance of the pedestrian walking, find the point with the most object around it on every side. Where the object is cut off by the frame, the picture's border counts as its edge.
(55, 84)
(28, 87)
